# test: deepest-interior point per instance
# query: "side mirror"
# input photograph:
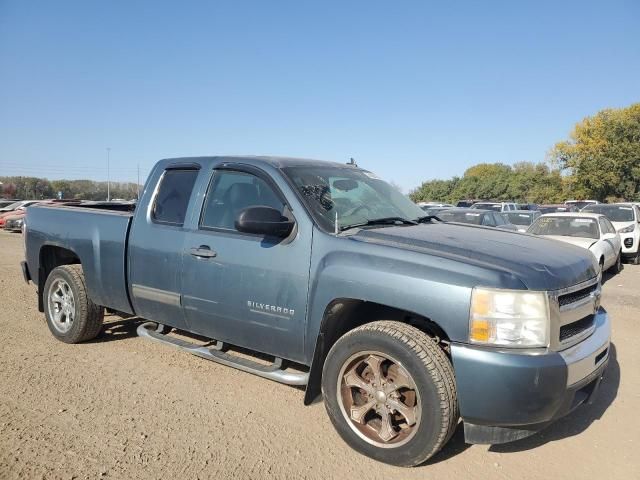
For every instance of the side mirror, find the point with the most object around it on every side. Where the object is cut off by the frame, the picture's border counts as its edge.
(263, 220)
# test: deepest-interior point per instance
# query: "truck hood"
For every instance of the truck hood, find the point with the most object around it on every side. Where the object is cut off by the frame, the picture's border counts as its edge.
(539, 263)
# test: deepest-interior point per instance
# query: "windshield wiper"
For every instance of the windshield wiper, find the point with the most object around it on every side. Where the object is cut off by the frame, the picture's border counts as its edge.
(380, 221)
(428, 218)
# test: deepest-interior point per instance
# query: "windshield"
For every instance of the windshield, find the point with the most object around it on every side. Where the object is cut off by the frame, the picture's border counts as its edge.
(566, 226)
(615, 213)
(579, 204)
(356, 196)
(496, 207)
(519, 218)
(567, 208)
(462, 217)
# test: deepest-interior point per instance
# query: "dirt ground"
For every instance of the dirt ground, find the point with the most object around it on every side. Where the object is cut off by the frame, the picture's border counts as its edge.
(124, 407)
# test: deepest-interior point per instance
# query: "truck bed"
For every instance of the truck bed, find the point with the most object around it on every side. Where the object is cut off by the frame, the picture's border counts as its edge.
(97, 237)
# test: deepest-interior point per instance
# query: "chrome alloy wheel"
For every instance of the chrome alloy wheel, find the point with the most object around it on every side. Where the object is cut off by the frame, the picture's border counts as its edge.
(379, 399)
(62, 305)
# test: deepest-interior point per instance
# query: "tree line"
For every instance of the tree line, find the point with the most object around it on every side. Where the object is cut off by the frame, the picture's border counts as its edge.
(600, 160)
(35, 188)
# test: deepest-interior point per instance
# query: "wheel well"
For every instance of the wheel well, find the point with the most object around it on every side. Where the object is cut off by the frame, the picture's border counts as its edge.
(345, 314)
(51, 257)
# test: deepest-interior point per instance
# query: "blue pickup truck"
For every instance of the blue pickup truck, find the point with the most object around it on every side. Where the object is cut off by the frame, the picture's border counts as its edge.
(402, 323)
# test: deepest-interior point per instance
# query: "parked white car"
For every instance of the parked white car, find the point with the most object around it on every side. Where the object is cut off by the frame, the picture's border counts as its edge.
(496, 206)
(588, 230)
(625, 217)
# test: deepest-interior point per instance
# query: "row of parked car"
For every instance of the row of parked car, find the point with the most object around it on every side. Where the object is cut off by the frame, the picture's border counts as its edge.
(13, 212)
(609, 231)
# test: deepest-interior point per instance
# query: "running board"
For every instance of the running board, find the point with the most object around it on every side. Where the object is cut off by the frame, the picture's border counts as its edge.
(153, 331)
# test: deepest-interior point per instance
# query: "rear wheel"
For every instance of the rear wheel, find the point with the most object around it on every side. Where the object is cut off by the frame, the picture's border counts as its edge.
(389, 391)
(71, 315)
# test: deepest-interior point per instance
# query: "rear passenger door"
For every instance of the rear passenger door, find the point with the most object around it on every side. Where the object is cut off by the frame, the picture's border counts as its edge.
(156, 245)
(247, 289)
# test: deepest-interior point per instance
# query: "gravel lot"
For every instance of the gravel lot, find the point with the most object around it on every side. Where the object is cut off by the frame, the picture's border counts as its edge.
(124, 407)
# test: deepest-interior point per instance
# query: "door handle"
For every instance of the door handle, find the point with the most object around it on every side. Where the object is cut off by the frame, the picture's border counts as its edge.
(203, 251)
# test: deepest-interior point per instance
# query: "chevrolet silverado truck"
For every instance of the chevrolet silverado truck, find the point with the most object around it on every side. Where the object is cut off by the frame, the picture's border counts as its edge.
(402, 323)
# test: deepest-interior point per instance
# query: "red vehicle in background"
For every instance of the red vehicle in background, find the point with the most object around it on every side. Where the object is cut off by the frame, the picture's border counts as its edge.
(17, 212)
(13, 220)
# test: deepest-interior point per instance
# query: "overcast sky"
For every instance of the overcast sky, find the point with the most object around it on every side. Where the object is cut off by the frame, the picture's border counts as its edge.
(412, 90)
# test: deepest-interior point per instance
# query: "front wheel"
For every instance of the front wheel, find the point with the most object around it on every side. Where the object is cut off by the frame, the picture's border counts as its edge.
(71, 315)
(617, 267)
(390, 392)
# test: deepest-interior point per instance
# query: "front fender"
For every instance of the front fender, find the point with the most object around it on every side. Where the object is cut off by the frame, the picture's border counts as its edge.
(394, 284)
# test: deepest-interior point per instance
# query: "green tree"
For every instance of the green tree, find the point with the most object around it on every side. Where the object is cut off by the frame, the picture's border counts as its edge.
(485, 180)
(434, 190)
(602, 155)
(522, 182)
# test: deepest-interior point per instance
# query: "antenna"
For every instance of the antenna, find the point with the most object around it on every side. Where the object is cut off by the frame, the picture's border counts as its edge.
(336, 224)
(352, 162)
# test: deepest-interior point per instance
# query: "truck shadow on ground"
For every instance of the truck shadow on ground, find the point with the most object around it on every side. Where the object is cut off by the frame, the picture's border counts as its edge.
(578, 420)
(573, 424)
(118, 328)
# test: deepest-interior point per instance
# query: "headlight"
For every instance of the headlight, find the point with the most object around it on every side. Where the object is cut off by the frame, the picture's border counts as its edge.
(510, 318)
(628, 229)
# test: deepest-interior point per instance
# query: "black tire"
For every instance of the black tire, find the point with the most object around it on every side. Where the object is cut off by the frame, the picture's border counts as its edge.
(87, 316)
(635, 260)
(601, 263)
(431, 373)
(617, 267)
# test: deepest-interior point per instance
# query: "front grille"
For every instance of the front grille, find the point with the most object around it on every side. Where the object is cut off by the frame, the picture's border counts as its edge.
(574, 297)
(576, 328)
(628, 242)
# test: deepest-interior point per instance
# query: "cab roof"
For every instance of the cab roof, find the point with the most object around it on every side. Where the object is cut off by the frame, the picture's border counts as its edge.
(278, 162)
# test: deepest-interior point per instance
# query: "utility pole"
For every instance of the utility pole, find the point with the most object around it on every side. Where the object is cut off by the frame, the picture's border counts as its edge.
(138, 183)
(108, 177)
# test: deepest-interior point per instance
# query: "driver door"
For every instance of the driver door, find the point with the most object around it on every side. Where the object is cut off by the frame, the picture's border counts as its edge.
(245, 289)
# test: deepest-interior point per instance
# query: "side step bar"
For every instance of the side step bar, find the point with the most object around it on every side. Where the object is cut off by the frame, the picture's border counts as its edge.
(153, 331)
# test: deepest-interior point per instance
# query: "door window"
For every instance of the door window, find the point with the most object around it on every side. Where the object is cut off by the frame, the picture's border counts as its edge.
(172, 199)
(232, 191)
(610, 227)
(603, 226)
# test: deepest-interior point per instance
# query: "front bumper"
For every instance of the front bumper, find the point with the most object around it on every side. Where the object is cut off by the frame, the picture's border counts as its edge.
(629, 244)
(505, 395)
